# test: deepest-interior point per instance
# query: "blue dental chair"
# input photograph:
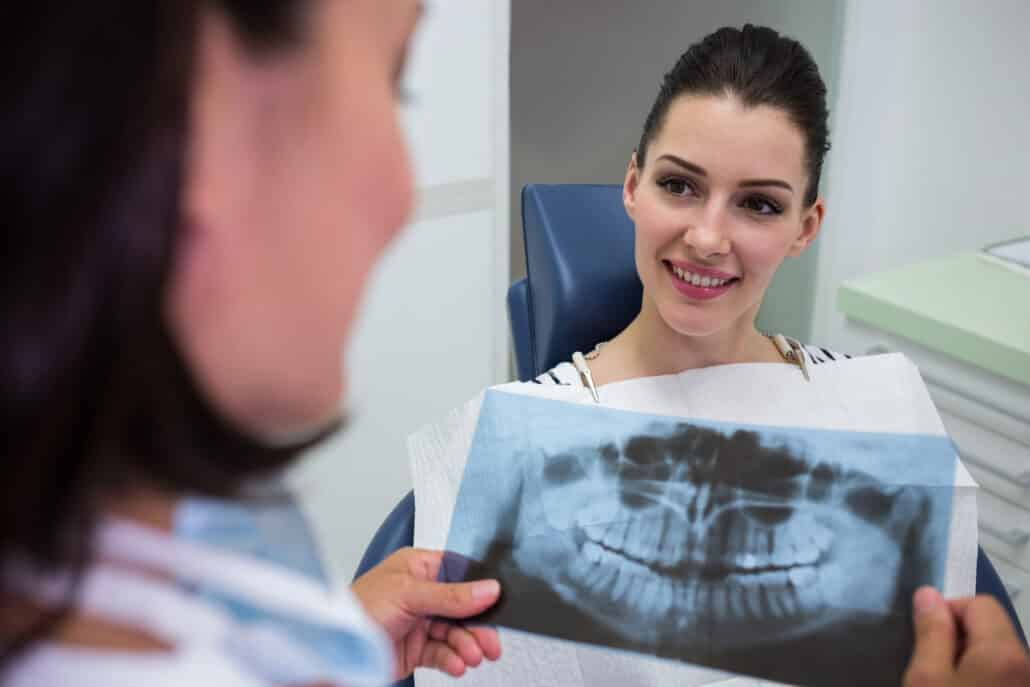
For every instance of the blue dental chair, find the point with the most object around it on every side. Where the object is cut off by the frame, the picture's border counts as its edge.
(581, 288)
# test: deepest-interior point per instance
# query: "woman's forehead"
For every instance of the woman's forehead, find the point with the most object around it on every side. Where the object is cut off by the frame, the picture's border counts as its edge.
(730, 139)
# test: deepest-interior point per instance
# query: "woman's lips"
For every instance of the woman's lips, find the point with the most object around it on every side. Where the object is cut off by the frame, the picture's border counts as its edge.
(699, 284)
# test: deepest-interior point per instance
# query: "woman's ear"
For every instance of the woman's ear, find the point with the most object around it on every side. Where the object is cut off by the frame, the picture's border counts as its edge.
(811, 223)
(629, 186)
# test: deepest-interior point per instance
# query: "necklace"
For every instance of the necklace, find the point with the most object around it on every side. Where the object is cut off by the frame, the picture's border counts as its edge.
(789, 349)
(785, 346)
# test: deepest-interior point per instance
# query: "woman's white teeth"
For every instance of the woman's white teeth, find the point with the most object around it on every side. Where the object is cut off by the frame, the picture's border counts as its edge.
(697, 279)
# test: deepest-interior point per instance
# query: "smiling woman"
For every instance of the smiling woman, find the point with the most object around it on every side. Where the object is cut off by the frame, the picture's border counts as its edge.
(778, 576)
(723, 187)
(718, 202)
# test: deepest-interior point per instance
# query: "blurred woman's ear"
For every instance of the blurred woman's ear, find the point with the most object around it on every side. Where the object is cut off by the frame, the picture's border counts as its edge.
(629, 186)
(811, 223)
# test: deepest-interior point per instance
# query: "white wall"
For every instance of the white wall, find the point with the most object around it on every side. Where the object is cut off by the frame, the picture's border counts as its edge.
(585, 72)
(432, 331)
(930, 140)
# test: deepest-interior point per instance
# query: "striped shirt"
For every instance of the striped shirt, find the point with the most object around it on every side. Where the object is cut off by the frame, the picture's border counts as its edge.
(565, 374)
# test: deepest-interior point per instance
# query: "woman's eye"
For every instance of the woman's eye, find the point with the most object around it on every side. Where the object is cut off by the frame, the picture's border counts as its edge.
(677, 187)
(761, 206)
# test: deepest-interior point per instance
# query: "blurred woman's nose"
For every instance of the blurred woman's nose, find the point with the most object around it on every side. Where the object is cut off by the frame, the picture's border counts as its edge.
(707, 235)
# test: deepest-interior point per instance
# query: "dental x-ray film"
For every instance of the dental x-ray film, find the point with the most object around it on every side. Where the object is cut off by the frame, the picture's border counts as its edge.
(788, 553)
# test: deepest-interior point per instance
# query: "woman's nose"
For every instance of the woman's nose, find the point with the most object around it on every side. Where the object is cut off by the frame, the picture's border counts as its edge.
(708, 234)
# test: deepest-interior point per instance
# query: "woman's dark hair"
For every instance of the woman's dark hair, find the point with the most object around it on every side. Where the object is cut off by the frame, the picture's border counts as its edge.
(760, 67)
(95, 396)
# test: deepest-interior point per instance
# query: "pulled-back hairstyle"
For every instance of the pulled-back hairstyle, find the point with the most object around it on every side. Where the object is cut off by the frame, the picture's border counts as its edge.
(759, 67)
(94, 395)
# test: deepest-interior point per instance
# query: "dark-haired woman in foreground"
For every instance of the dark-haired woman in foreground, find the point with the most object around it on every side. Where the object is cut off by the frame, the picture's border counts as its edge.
(722, 188)
(194, 193)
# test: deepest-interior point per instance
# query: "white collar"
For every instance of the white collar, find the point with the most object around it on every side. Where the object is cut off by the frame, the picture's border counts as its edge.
(279, 625)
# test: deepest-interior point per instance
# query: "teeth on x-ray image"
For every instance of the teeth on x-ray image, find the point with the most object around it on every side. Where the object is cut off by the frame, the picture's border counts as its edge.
(714, 544)
(699, 530)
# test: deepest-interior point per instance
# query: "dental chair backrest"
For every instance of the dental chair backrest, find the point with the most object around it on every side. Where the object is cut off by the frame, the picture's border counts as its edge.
(582, 284)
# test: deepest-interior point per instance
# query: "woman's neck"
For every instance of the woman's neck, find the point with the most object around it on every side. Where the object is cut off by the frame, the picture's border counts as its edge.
(648, 347)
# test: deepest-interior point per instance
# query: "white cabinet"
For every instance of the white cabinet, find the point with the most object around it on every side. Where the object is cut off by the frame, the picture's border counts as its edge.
(988, 418)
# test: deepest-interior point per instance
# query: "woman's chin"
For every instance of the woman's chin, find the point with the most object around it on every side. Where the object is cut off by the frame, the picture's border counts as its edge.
(299, 418)
(703, 322)
(301, 433)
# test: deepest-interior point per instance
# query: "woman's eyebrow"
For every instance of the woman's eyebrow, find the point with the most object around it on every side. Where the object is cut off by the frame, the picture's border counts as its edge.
(766, 182)
(700, 171)
(689, 166)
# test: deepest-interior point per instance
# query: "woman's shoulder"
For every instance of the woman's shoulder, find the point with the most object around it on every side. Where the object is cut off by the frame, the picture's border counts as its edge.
(817, 355)
(562, 374)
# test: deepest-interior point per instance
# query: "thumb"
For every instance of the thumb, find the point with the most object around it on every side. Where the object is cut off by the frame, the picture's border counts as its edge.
(451, 600)
(936, 639)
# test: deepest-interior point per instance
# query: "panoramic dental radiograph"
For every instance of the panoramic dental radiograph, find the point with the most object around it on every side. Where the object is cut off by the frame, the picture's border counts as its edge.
(785, 553)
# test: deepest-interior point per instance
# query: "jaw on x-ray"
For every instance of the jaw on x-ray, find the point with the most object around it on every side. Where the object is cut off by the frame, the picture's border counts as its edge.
(756, 550)
(686, 536)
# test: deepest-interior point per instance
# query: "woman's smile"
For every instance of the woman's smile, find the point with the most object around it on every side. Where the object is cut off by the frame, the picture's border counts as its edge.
(699, 283)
